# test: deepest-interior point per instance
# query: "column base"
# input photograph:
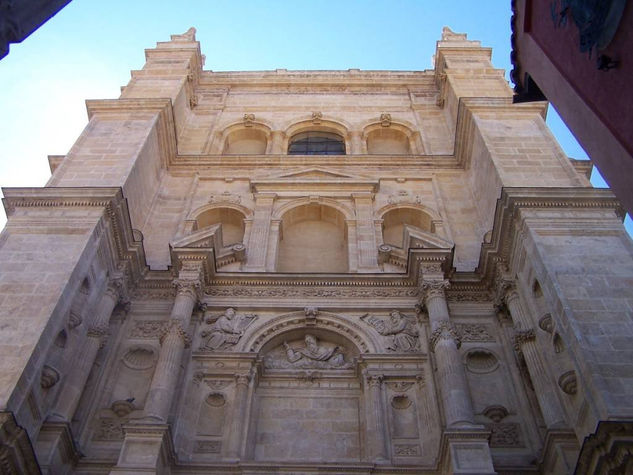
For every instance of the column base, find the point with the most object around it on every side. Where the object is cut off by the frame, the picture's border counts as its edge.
(147, 448)
(560, 451)
(55, 448)
(467, 451)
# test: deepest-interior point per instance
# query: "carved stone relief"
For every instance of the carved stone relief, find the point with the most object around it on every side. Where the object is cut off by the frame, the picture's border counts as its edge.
(479, 360)
(475, 332)
(505, 434)
(222, 332)
(225, 197)
(407, 450)
(108, 429)
(49, 377)
(308, 353)
(147, 329)
(401, 330)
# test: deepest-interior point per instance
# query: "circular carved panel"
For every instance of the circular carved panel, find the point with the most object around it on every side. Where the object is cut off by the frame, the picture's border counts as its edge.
(479, 360)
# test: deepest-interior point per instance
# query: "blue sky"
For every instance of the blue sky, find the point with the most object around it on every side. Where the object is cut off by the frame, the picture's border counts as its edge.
(87, 50)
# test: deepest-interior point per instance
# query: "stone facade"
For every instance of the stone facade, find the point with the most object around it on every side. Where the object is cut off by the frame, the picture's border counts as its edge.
(184, 296)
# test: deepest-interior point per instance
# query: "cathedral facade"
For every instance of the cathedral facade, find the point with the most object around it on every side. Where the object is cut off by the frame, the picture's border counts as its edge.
(315, 272)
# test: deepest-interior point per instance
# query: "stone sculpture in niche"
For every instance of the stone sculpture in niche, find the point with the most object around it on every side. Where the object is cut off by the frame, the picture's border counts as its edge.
(310, 354)
(225, 330)
(401, 329)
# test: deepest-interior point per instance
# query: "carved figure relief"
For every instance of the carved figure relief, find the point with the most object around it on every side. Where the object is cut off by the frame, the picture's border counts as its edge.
(308, 353)
(400, 328)
(225, 330)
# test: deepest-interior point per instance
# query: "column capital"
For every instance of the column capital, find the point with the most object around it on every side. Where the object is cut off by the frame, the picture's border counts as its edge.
(115, 288)
(242, 379)
(522, 336)
(445, 330)
(374, 380)
(187, 287)
(100, 332)
(173, 328)
(434, 288)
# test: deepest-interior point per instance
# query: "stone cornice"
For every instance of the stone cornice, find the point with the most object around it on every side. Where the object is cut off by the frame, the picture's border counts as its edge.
(129, 250)
(248, 162)
(348, 78)
(512, 200)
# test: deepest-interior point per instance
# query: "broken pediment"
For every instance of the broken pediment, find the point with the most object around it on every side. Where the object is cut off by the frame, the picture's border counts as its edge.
(414, 237)
(209, 237)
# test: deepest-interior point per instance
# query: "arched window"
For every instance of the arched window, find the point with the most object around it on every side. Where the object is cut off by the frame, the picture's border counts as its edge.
(316, 143)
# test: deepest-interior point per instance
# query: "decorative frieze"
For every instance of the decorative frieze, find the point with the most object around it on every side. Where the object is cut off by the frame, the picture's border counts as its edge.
(478, 332)
(148, 329)
(303, 292)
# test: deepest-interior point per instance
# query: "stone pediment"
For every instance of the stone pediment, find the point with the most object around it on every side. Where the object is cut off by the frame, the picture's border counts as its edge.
(416, 238)
(209, 237)
(316, 173)
(315, 179)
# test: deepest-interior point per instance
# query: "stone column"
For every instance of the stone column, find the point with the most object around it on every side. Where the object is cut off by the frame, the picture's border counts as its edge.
(445, 343)
(377, 427)
(173, 343)
(236, 429)
(525, 341)
(97, 333)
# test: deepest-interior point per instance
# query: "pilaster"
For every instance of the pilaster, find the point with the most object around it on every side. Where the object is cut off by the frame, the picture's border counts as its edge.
(365, 232)
(257, 248)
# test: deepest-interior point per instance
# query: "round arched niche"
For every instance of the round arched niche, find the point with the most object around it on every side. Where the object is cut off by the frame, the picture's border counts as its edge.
(395, 219)
(247, 141)
(388, 141)
(309, 348)
(232, 222)
(313, 238)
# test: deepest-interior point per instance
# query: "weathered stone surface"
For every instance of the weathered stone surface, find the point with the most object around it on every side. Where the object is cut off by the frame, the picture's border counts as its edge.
(446, 296)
